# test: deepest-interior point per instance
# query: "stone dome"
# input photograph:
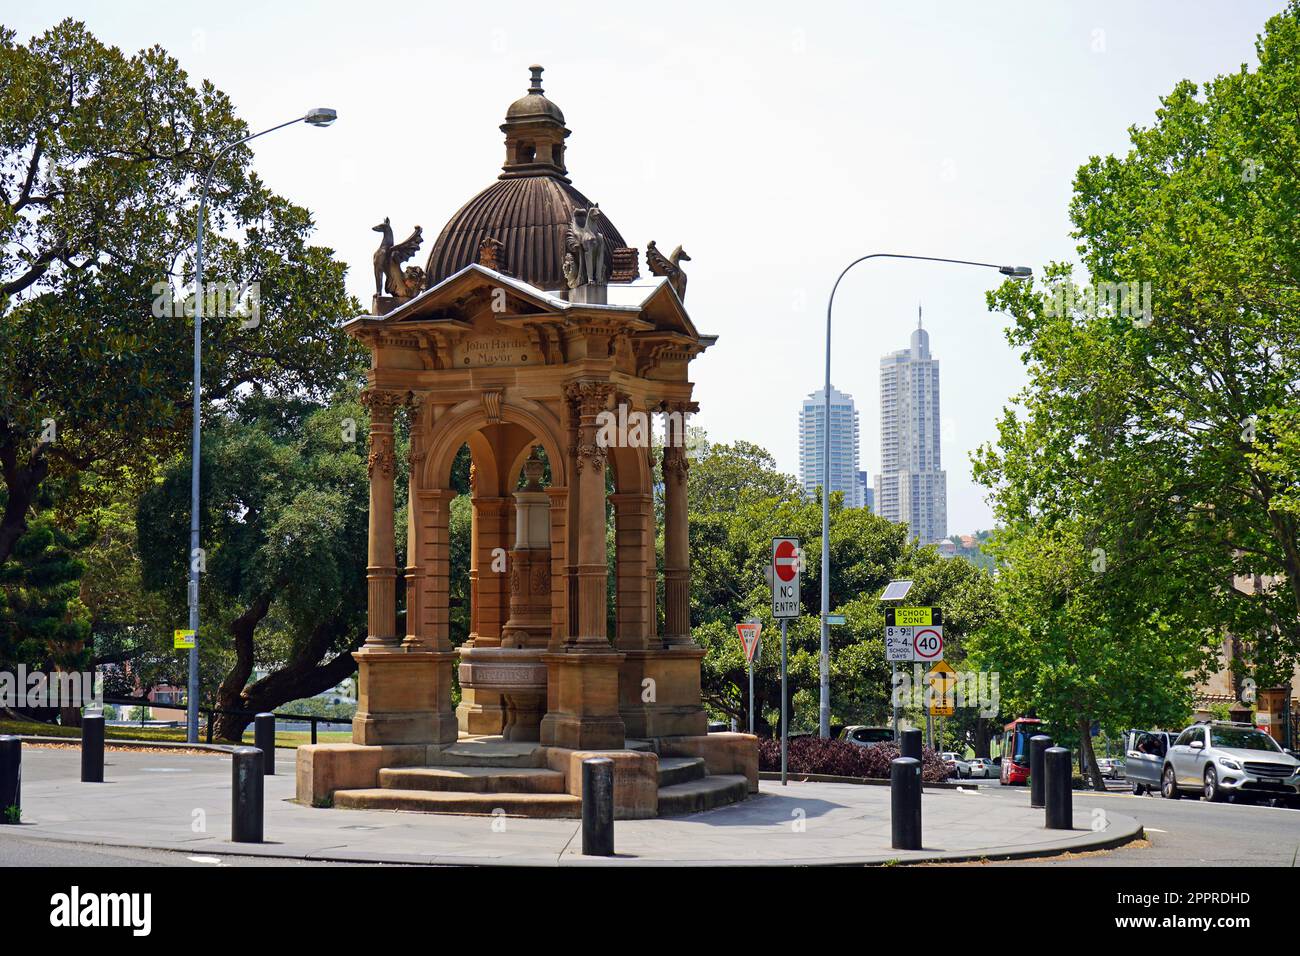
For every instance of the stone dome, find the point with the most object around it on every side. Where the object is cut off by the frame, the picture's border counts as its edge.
(528, 209)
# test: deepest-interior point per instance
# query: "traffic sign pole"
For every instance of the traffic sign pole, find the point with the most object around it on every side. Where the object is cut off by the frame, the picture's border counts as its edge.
(751, 696)
(893, 693)
(785, 727)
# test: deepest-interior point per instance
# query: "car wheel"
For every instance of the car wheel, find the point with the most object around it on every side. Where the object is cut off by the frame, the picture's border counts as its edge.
(1211, 789)
(1168, 786)
(1138, 789)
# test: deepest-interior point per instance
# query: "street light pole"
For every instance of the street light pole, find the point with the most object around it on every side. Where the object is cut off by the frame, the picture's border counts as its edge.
(321, 116)
(1016, 272)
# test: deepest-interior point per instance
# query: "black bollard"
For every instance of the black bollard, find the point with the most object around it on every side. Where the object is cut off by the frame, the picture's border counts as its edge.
(264, 740)
(905, 802)
(598, 807)
(246, 796)
(11, 779)
(1038, 745)
(92, 748)
(911, 745)
(1060, 798)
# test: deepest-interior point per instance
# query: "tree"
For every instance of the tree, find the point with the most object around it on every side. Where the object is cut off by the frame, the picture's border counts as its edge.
(1204, 207)
(284, 522)
(738, 503)
(100, 154)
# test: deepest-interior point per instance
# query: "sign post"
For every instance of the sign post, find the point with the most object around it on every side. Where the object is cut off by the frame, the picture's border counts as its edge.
(785, 605)
(749, 632)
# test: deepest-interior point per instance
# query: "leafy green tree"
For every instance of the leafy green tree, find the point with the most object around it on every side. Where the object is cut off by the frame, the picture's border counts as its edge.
(1149, 465)
(738, 503)
(1204, 207)
(100, 157)
(284, 521)
(42, 620)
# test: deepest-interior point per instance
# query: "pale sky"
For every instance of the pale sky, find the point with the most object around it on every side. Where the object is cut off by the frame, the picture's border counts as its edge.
(775, 141)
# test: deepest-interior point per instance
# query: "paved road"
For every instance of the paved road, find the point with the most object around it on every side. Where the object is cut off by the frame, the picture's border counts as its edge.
(1185, 832)
(181, 803)
(23, 852)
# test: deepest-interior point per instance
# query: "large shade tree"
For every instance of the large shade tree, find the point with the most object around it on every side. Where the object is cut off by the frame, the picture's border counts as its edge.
(100, 156)
(1145, 480)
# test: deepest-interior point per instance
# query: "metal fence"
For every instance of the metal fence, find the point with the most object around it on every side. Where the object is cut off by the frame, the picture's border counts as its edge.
(209, 712)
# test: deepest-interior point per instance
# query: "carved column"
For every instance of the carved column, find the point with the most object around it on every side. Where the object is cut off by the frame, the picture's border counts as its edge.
(404, 690)
(381, 564)
(559, 566)
(589, 399)
(661, 696)
(677, 571)
(583, 675)
(432, 546)
(633, 526)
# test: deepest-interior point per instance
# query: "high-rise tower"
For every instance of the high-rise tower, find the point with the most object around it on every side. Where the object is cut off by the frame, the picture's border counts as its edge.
(844, 446)
(912, 486)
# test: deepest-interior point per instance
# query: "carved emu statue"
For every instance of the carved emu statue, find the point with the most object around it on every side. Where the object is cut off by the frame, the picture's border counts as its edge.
(389, 257)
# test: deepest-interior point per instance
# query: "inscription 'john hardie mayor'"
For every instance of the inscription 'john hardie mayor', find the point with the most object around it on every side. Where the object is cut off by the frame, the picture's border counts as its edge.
(494, 350)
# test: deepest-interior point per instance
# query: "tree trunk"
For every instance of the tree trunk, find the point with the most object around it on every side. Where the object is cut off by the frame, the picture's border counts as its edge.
(303, 676)
(230, 695)
(1088, 756)
(21, 484)
(982, 737)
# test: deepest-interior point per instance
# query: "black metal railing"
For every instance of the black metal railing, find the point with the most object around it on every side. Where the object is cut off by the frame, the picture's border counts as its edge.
(312, 719)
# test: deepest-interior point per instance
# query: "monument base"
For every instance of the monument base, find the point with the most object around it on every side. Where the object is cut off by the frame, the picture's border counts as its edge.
(659, 691)
(582, 701)
(415, 687)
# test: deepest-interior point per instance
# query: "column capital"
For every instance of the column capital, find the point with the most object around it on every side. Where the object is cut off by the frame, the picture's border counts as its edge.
(676, 463)
(589, 398)
(382, 402)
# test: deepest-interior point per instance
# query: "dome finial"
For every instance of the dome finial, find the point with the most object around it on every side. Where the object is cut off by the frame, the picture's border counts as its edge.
(535, 85)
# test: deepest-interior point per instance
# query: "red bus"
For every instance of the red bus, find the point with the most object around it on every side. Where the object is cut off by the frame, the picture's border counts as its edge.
(1015, 748)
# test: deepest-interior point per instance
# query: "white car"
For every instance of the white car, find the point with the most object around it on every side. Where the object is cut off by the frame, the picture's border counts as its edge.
(982, 767)
(956, 766)
(1220, 759)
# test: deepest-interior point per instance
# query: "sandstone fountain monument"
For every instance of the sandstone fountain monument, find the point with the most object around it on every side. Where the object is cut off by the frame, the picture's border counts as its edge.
(527, 329)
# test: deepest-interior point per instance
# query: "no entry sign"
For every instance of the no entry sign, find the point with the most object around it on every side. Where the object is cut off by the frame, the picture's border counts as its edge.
(785, 577)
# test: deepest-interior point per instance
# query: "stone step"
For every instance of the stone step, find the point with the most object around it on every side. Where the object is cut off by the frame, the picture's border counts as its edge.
(536, 805)
(473, 779)
(489, 752)
(695, 796)
(675, 770)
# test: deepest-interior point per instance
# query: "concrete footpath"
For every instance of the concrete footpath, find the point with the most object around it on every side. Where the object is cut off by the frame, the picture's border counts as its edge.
(182, 802)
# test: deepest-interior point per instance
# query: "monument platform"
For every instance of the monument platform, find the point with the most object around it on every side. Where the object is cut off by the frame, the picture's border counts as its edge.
(153, 799)
(490, 775)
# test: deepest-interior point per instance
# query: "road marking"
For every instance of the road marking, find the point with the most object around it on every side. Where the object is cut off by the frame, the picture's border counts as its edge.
(1154, 830)
(216, 861)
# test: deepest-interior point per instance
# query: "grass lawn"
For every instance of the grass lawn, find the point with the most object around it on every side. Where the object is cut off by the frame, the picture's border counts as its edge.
(283, 739)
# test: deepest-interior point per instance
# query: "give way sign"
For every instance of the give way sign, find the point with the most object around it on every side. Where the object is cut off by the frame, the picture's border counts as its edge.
(785, 577)
(749, 631)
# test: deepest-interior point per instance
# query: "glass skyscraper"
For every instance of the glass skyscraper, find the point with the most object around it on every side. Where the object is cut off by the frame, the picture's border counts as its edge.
(912, 486)
(845, 475)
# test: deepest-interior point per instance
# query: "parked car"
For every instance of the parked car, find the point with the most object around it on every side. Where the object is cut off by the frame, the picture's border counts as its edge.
(983, 767)
(956, 766)
(1111, 769)
(1219, 758)
(866, 736)
(1144, 758)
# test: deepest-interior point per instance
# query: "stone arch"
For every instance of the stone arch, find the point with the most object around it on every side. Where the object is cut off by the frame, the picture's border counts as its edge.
(459, 426)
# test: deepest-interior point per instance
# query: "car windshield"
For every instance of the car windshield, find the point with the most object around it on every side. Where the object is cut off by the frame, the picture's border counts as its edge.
(1242, 739)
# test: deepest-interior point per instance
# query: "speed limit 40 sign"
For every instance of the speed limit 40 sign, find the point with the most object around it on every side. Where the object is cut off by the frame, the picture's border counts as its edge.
(913, 634)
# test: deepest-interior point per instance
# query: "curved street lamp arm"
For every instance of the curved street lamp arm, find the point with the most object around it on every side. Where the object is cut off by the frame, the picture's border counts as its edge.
(824, 702)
